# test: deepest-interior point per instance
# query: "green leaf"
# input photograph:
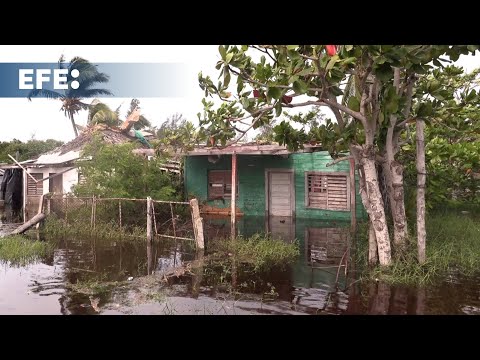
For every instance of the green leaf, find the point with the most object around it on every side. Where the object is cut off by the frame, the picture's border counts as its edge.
(226, 77)
(332, 62)
(278, 109)
(222, 51)
(244, 47)
(300, 87)
(424, 109)
(239, 84)
(353, 103)
(291, 47)
(392, 106)
(348, 47)
(349, 60)
(274, 92)
(433, 85)
(335, 90)
(381, 118)
(384, 72)
(229, 58)
(472, 94)
(305, 71)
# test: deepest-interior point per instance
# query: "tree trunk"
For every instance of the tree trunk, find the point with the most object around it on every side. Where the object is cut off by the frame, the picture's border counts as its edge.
(421, 177)
(375, 208)
(380, 302)
(372, 245)
(73, 124)
(394, 177)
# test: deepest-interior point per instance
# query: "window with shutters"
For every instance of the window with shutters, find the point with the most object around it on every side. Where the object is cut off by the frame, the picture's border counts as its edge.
(34, 188)
(220, 185)
(327, 190)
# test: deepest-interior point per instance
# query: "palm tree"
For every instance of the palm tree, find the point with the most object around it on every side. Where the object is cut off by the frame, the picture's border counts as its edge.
(100, 113)
(143, 122)
(72, 98)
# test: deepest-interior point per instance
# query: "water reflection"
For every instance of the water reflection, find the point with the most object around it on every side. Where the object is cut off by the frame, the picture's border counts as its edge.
(317, 283)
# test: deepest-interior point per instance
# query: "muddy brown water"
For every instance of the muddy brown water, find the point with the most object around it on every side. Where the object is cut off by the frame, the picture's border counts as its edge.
(92, 276)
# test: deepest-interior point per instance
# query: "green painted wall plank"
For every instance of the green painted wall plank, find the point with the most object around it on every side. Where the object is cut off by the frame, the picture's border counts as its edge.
(251, 173)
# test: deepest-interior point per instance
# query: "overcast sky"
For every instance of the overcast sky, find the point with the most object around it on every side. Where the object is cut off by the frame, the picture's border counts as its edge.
(42, 118)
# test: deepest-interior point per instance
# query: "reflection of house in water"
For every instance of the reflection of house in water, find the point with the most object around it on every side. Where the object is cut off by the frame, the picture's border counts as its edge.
(325, 246)
(314, 274)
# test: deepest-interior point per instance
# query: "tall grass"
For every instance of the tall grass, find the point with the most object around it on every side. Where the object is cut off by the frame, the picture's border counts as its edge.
(261, 251)
(55, 227)
(20, 251)
(453, 244)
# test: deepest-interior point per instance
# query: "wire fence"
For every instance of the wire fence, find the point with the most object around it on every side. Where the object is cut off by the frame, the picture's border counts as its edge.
(171, 219)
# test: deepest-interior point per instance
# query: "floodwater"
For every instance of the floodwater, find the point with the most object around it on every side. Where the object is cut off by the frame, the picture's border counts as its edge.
(93, 276)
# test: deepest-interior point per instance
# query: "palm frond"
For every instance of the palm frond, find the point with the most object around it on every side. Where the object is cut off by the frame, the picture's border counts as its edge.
(106, 117)
(61, 62)
(49, 94)
(94, 109)
(88, 93)
(142, 123)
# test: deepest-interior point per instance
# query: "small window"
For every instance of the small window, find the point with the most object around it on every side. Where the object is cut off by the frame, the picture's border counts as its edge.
(220, 185)
(34, 188)
(327, 191)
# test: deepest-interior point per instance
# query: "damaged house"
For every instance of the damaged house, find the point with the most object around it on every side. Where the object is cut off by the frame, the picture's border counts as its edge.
(56, 171)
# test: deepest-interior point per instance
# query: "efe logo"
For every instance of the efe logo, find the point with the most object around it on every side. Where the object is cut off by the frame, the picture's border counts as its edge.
(26, 78)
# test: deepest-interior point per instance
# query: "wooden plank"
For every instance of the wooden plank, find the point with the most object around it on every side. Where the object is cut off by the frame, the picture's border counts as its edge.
(197, 224)
(149, 220)
(280, 201)
(233, 212)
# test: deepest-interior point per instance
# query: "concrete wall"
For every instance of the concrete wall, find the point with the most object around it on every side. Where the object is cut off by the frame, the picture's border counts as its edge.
(31, 203)
(70, 178)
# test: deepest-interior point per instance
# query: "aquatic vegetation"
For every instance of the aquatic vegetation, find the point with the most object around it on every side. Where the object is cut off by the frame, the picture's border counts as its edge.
(452, 244)
(21, 251)
(261, 251)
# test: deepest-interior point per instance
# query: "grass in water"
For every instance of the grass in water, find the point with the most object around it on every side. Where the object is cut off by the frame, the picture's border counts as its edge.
(453, 244)
(55, 227)
(20, 251)
(94, 286)
(261, 251)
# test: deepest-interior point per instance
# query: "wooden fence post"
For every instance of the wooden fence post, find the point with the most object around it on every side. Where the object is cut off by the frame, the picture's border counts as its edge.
(94, 209)
(233, 204)
(353, 194)
(120, 213)
(66, 210)
(197, 224)
(149, 220)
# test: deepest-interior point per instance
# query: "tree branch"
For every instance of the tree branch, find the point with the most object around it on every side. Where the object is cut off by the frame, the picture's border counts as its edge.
(336, 112)
(408, 103)
(309, 57)
(336, 161)
(396, 79)
(264, 51)
(355, 114)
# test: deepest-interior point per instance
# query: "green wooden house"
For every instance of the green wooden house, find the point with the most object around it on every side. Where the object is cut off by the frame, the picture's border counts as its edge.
(272, 181)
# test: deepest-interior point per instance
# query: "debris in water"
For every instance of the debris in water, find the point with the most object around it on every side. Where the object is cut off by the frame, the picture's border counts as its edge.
(94, 302)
